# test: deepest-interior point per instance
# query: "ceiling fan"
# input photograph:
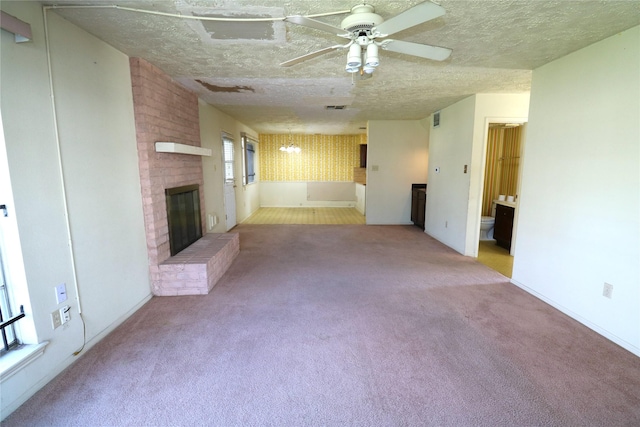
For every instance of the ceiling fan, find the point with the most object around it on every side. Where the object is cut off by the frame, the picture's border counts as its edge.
(367, 32)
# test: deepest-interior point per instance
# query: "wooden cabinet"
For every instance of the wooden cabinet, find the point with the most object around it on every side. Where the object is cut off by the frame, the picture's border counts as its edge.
(503, 227)
(418, 202)
(363, 155)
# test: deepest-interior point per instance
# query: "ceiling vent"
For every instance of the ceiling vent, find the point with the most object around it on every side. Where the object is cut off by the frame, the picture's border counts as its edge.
(335, 107)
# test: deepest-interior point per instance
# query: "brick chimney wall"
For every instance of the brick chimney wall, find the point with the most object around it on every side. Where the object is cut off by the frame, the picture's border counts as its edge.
(164, 111)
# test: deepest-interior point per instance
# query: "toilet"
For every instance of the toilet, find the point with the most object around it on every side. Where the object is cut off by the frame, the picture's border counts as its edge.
(486, 227)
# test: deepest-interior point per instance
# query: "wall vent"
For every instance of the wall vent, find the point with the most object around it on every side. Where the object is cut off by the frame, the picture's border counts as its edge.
(436, 119)
(335, 107)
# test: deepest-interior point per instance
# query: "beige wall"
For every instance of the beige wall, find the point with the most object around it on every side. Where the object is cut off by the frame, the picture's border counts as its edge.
(94, 185)
(212, 124)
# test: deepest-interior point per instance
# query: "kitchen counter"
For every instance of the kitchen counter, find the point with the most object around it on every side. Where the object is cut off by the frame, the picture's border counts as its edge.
(505, 203)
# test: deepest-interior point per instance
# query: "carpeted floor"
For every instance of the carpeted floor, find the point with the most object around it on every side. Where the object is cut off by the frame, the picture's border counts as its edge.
(346, 326)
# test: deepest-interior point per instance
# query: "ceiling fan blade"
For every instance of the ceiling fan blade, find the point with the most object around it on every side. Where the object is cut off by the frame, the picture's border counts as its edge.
(418, 14)
(312, 23)
(310, 55)
(416, 49)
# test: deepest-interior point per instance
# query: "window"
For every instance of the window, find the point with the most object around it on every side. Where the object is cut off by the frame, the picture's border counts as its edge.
(248, 160)
(227, 148)
(9, 337)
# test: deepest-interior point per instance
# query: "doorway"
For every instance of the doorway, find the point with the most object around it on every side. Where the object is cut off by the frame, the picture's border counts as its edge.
(502, 160)
(228, 151)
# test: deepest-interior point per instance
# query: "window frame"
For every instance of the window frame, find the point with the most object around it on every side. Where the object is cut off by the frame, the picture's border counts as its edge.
(10, 339)
(228, 163)
(248, 161)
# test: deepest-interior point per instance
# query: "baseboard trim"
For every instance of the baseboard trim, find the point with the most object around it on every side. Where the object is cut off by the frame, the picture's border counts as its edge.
(608, 335)
(11, 407)
(120, 320)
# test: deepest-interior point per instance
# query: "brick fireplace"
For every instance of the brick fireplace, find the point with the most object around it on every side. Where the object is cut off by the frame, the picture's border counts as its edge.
(165, 111)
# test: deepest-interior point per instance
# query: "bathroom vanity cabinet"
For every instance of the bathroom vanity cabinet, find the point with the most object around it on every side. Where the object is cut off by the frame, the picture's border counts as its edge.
(503, 228)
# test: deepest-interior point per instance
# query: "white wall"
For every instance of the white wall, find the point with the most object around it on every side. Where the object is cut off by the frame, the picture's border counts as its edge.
(454, 198)
(361, 198)
(212, 124)
(398, 149)
(295, 194)
(97, 140)
(579, 205)
(450, 147)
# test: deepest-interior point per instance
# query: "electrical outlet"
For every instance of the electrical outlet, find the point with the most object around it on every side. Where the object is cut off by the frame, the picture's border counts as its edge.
(607, 291)
(446, 224)
(56, 320)
(61, 293)
(65, 314)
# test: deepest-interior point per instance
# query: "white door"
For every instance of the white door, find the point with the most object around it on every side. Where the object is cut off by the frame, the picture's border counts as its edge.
(229, 182)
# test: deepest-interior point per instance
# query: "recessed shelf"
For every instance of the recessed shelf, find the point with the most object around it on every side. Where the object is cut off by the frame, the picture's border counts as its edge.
(176, 147)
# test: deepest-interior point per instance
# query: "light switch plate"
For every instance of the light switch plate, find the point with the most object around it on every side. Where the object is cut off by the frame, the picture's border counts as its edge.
(607, 291)
(61, 293)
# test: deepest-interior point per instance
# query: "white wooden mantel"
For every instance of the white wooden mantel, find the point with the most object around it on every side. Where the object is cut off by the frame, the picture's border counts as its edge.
(176, 147)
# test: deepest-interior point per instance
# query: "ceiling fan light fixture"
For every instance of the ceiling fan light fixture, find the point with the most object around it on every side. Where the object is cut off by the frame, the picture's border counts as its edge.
(366, 30)
(372, 59)
(354, 58)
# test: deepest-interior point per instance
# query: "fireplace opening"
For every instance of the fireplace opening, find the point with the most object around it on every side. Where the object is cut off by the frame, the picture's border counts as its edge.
(183, 213)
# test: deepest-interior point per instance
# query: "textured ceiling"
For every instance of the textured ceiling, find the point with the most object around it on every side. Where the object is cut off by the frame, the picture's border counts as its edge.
(235, 66)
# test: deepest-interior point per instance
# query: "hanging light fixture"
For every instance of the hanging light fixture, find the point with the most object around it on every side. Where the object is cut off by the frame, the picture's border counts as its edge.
(291, 147)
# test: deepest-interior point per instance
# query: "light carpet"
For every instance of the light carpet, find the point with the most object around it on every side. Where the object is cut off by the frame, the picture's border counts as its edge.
(346, 326)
